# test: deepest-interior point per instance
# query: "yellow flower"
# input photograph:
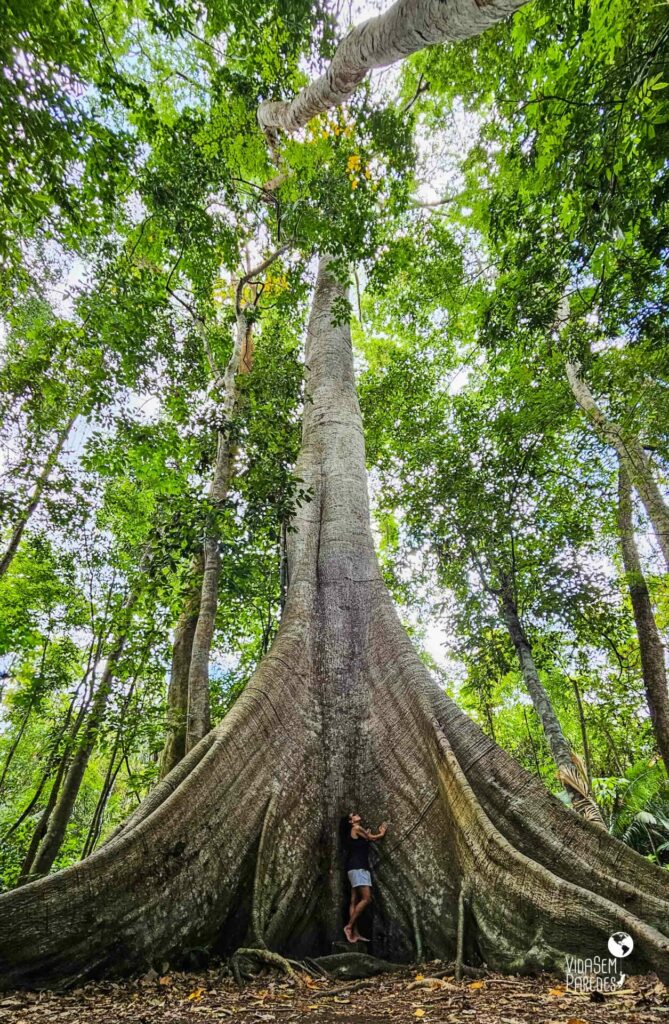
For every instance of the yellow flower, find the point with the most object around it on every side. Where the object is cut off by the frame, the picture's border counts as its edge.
(354, 182)
(353, 163)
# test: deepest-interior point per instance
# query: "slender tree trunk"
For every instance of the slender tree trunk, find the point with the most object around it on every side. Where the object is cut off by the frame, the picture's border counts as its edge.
(63, 763)
(406, 27)
(651, 648)
(46, 774)
(575, 783)
(631, 455)
(239, 844)
(177, 693)
(198, 717)
(93, 834)
(36, 496)
(558, 743)
(198, 721)
(584, 730)
(43, 824)
(113, 769)
(62, 812)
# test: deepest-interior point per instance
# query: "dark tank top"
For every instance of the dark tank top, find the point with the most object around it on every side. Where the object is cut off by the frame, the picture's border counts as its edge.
(358, 853)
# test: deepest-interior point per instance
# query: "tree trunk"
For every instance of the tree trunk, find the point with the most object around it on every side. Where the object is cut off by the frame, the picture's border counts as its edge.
(557, 741)
(560, 748)
(43, 824)
(62, 812)
(631, 456)
(584, 730)
(407, 26)
(650, 644)
(177, 693)
(63, 762)
(239, 844)
(113, 768)
(198, 721)
(36, 496)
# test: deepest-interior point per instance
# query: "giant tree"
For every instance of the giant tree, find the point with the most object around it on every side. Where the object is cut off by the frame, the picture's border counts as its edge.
(340, 712)
(239, 843)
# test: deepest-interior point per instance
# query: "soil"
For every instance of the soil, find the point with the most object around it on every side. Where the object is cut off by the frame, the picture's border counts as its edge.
(425, 992)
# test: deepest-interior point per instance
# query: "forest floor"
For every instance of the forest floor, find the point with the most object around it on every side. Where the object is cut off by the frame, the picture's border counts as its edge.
(407, 995)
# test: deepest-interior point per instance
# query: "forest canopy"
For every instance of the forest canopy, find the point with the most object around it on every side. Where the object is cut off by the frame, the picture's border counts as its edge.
(499, 205)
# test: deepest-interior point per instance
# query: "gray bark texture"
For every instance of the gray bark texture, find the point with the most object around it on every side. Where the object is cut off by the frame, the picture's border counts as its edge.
(575, 781)
(177, 691)
(406, 27)
(239, 845)
(651, 647)
(62, 812)
(188, 697)
(198, 722)
(632, 457)
(557, 741)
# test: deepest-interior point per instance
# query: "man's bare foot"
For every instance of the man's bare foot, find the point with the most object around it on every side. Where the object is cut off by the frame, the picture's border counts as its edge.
(347, 933)
(359, 938)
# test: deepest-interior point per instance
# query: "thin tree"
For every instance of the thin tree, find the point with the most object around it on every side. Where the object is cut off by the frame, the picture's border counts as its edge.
(651, 647)
(188, 692)
(36, 495)
(631, 455)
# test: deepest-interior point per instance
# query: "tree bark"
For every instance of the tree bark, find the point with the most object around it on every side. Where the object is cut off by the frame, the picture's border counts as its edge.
(584, 730)
(198, 722)
(63, 761)
(557, 741)
(177, 693)
(36, 496)
(631, 456)
(560, 747)
(240, 843)
(650, 644)
(406, 27)
(62, 812)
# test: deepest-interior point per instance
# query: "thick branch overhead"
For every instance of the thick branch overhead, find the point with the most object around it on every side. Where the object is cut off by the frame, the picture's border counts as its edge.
(405, 28)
